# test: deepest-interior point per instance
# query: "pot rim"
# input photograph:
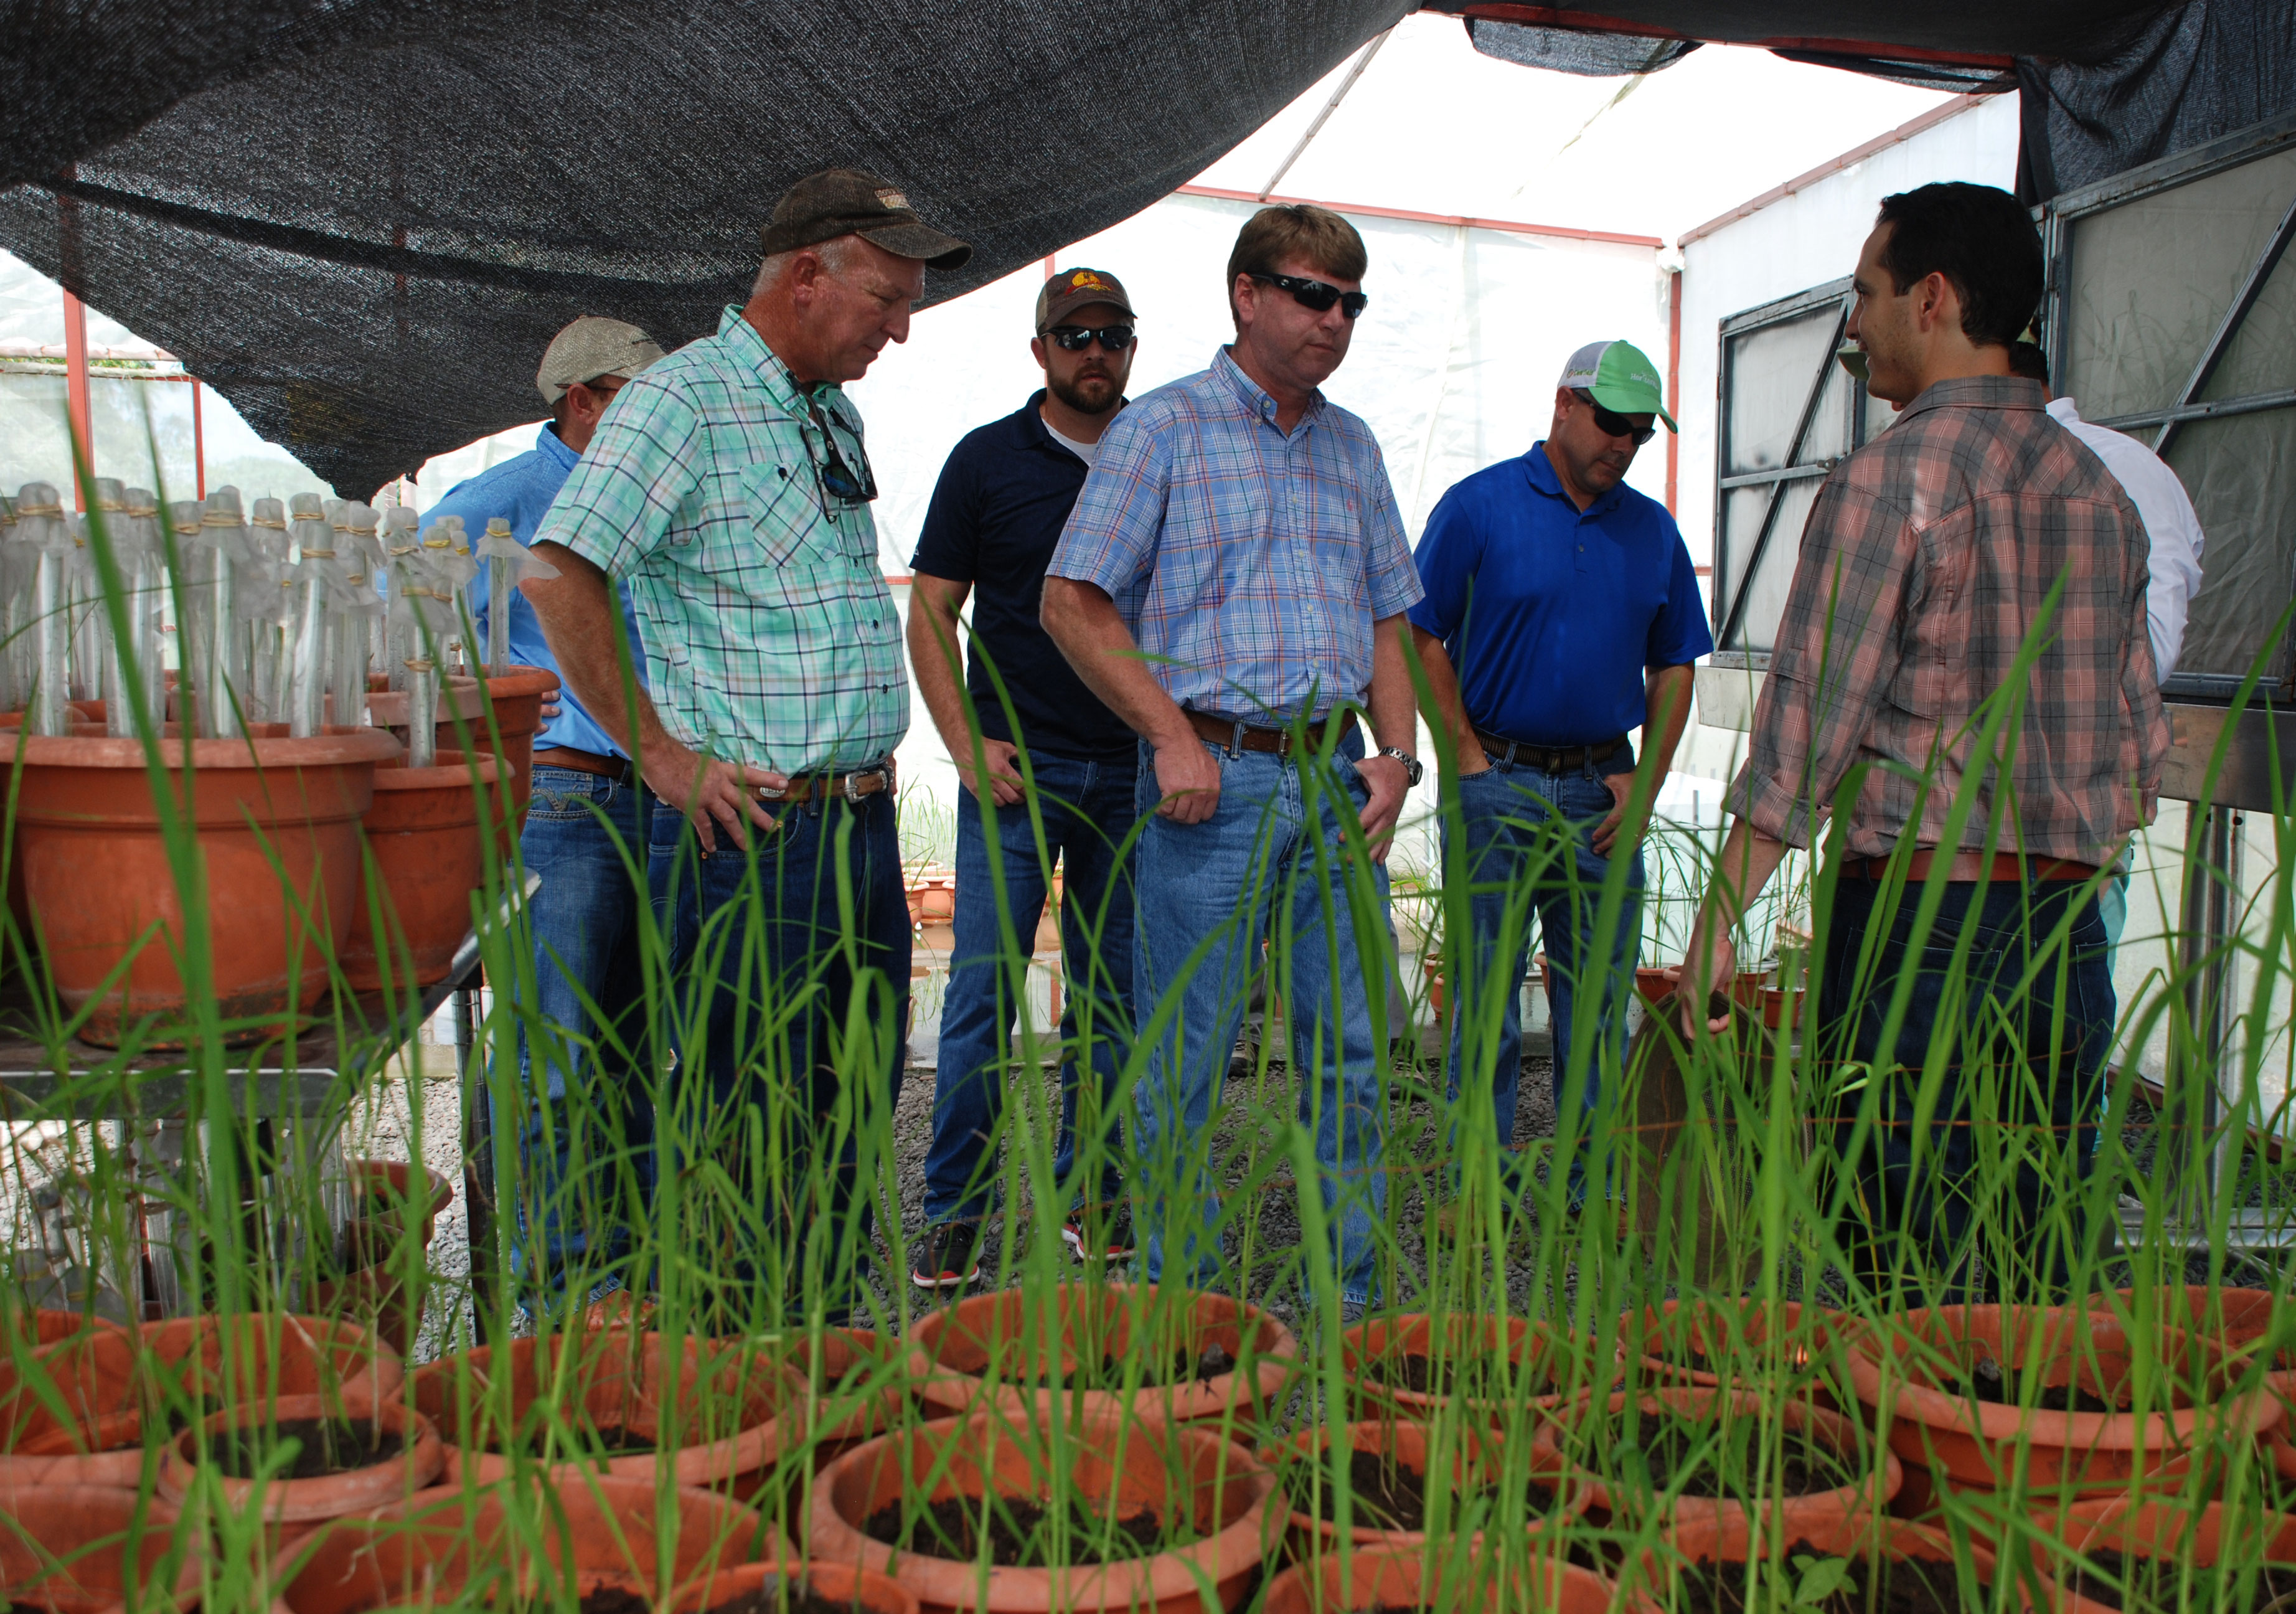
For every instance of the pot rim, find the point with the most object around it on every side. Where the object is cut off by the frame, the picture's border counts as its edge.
(341, 749)
(421, 1459)
(1573, 1499)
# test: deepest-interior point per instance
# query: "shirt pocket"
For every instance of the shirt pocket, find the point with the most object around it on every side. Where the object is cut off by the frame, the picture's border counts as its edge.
(781, 503)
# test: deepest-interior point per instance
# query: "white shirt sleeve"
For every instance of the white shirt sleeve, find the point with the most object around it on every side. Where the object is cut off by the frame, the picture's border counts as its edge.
(2170, 524)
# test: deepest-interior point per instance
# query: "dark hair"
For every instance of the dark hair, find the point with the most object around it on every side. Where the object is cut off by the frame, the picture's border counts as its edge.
(1314, 236)
(1981, 239)
(2027, 359)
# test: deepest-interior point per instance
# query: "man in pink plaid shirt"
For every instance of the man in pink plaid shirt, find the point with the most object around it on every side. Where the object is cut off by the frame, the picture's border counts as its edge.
(1965, 659)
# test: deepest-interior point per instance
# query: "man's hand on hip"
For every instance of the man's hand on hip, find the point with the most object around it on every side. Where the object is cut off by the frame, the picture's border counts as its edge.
(1388, 785)
(1188, 780)
(1003, 780)
(1607, 835)
(713, 796)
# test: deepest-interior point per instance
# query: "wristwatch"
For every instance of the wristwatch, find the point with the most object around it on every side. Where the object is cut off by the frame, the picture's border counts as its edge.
(1411, 765)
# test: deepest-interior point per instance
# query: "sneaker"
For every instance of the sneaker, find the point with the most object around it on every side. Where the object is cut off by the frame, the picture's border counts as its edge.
(947, 1256)
(1115, 1242)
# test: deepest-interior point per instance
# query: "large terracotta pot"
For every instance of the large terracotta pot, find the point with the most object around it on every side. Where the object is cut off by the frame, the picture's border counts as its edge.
(2173, 1530)
(517, 696)
(423, 832)
(1378, 1578)
(1475, 1464)
(1908, 1370)
(1562, 1449)
(84, 1549)
(1720, 1540)
(1544, 1368)
(994, 1350)
(455, 1547)
(372, 1292)
(731, 1417)
(98, 878)
(287, 1501)
(1120, 1464)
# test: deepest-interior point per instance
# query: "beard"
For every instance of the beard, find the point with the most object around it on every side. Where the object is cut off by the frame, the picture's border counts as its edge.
(1092, 393)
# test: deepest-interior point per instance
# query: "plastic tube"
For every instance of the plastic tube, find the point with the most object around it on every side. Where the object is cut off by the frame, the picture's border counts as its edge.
(135, 661)
(9, 590)
(40, 527)
(308, 596)
(219, 680)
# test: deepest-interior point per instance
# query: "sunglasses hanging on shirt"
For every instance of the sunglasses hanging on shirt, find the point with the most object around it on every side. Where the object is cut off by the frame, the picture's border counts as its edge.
(1610, 423)
(1317, 295)
(838, 481)
(1076, 339)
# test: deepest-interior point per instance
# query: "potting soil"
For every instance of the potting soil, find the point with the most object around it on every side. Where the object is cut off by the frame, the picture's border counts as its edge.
(1425, 1376)
(1988, 1381)
(1683, 1456)
(1109, 1373)
(616, 1599)
(781, 1597)
(329, 1445)
(2119, 1582)
(603, 1439)
(1811, 1582)
(1018, 1532)
(1388, 1494)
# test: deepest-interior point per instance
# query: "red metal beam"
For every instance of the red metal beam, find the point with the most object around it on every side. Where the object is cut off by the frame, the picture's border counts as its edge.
(1673, 383)
(76, 395)
(1507, 225)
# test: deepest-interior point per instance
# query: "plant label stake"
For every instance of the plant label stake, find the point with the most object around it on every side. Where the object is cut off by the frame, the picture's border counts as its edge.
(508, 563)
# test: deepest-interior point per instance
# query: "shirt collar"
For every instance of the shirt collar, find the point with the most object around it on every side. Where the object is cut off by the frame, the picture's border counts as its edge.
(2062, 411)
(743, 340)
(1977, 392)
(553, 448)
(1254, 398)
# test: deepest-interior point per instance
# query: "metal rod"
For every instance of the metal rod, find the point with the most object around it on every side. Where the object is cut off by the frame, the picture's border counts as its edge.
(2213, 840)
(1363, 61)
(2234, 316)
(1743, 591)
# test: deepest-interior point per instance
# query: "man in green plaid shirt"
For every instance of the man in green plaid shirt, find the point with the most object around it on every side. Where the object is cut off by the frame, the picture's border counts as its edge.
(731, 494)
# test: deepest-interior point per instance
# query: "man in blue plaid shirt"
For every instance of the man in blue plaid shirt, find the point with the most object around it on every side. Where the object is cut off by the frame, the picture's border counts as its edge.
(1233, 584)
(731, 492)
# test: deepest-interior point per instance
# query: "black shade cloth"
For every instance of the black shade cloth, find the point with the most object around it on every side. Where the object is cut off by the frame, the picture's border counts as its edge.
(1567, 50)
(361, 222)
(2059, 30)
(2205, 69)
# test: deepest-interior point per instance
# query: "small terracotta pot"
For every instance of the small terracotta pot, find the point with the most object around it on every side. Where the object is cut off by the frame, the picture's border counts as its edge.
(862, 1590)
(1980, 1446)
(1473, 1465)
(1653, 986)
(517, 696)
(1879, 1472)
(1720, 1540)
(329, 1496)
(458, 697)
(96, 1552)
(755, 1408)
(432, 1550)
(99, 881)
(373, 1290)
(1386, 1577)
(977, 1353)
(1539, 1356)
(428, 854)
(1118, 1464)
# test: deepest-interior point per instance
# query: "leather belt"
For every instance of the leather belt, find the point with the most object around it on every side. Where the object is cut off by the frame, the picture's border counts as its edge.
(1969, 866)
(829, 787)
(1549, 759)
(1251, 737)
(619, 769)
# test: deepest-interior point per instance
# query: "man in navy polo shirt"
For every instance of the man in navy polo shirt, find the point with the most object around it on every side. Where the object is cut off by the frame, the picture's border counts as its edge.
(1048, 773)
(1561, 611)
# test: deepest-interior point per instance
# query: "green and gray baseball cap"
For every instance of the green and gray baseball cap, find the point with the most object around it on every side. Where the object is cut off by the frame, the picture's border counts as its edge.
(1621, 376)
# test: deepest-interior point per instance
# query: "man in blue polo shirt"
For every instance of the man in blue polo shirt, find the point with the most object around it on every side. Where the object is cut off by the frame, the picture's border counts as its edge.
(1025, 726)
(1561, 611)
(584, 913)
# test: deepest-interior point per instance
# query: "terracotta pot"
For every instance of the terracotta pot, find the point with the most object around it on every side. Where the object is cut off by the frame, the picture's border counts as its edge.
(1549, 1368)
(423, 832)
(458, 697)
(1475, 1465)
(979, 1352)
(1878, 1474)
(2161, 1528)
(861, 1590)
(373, 1290)
(517, 696)
(435, 1548)
(2232, 1319)
(1383, 1579)
(1653, 986)
(1781, 1346)
(97, 876)
(1119, 1463)
(1932, 1421)
(1862, 1535)
(752, 1410)
(42, 1327)
(392, 1479)
(92, 1376)
(1780, 1008)
(100, 1549)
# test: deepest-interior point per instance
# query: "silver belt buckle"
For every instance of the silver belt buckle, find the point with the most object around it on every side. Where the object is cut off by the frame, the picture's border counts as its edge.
(851, 788)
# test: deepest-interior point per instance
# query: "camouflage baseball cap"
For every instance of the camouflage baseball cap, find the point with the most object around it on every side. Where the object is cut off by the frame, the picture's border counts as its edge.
(591, 346)
(847, 201)
(1072, 289)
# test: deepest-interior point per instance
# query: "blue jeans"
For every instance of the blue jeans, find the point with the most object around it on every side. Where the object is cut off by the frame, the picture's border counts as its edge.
(769, 948)
(2040, 1090)
(1269, 860)
(1516, 821)
(1085, 808)
(586, 1167)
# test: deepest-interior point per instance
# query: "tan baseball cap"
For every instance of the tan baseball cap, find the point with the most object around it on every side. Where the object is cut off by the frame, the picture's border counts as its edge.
(847, 201)
(1072, 289)
(589, 348)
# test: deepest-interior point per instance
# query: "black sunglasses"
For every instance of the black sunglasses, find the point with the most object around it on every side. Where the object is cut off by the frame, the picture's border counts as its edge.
(1076, 339)
(837, 478)
(1317, 295)
(1610, 423)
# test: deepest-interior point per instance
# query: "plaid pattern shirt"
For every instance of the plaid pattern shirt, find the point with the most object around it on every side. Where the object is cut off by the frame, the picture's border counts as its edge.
(1251, 562)
(1928, 561)
(771, 638)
